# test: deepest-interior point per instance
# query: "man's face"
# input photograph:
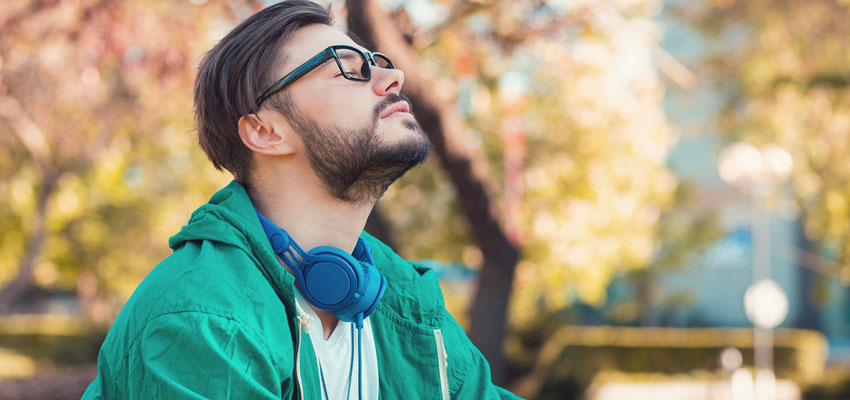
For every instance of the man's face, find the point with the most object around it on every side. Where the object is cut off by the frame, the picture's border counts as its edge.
(355, 144)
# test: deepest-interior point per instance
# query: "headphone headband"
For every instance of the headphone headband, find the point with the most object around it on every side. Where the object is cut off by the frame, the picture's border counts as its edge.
(283, 245)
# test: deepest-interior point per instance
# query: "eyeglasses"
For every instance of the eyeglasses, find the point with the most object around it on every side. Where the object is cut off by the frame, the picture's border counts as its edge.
(353, 63)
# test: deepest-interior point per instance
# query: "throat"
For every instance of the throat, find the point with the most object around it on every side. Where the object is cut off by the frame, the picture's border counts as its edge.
(329, 321)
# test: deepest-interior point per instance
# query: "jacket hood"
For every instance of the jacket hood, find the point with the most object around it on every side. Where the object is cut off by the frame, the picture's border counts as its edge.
(229, 218)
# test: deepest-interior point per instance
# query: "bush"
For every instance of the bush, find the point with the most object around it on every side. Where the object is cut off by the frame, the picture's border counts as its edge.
(54, 340)
(571, 356)
(834, 386)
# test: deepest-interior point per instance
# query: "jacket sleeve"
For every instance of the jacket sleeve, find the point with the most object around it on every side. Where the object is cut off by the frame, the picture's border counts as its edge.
(194, 355)
(476, 382)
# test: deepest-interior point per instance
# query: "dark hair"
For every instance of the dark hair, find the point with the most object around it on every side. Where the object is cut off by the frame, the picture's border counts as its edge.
(237, 70)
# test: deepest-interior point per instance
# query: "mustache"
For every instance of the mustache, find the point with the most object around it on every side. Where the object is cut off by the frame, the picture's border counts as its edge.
(391, 98)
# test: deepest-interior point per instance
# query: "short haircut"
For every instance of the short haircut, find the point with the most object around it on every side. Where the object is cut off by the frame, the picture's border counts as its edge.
(234, 73)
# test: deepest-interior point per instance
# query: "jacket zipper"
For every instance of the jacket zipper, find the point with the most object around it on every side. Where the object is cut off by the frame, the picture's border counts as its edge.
(298, 358)
(442, 361)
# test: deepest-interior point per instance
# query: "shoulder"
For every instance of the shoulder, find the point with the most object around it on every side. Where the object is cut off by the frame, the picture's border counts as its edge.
(202, 282)
(203, 276)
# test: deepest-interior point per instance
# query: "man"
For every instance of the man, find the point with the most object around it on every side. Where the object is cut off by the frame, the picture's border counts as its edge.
(314, 129)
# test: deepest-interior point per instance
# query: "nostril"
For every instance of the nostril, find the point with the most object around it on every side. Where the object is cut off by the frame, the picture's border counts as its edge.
(392, 86)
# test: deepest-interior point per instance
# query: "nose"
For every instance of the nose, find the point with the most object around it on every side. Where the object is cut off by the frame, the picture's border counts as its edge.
(386, 80)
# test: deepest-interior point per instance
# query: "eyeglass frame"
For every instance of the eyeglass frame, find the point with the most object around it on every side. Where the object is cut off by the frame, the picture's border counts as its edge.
(319, 59)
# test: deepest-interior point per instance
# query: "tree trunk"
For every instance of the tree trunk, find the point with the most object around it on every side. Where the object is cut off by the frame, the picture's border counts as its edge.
(23, 281)
(36, 143)
(438, 117)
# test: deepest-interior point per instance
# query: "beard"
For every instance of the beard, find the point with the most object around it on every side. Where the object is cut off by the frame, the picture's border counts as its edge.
(354, 163)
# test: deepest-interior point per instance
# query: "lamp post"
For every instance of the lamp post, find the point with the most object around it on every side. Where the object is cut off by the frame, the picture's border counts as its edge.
(766, 306)
(760, 172)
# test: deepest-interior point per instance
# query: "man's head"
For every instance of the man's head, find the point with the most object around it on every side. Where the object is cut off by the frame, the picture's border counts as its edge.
(338, 124)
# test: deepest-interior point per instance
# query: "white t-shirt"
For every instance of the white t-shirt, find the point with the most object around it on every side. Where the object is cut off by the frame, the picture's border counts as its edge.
(334, 355)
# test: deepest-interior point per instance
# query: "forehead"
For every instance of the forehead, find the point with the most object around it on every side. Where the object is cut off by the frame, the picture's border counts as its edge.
(308, 41)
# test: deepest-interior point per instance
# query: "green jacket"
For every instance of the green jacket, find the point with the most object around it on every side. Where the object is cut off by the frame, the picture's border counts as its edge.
(217, 319)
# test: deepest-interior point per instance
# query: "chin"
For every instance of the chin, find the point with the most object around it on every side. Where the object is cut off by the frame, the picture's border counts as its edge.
(400, 128)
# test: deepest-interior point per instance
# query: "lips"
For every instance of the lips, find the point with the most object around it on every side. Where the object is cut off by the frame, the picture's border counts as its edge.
(400, 106)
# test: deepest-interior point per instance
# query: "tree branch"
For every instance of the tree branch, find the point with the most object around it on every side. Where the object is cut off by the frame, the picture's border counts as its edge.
(26, 130)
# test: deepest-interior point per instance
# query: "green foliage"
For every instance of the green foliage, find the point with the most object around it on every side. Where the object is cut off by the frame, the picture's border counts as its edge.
(98, 100)
(786, 78)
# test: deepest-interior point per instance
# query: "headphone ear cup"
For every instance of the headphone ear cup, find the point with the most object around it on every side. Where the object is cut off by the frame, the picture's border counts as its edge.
(374, 286)
(332, 278)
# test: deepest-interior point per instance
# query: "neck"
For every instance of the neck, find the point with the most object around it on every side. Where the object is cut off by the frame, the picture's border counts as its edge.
(313, 218)
(314, 222)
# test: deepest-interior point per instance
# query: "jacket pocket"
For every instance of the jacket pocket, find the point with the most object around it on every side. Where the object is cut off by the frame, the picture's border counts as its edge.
(408, 361)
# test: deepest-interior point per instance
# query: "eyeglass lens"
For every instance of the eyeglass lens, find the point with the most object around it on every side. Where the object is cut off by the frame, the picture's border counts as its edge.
(354, 65)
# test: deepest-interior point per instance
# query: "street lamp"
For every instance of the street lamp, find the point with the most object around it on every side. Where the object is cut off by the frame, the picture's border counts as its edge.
(760, 172)
(766, 304)
(743, 165)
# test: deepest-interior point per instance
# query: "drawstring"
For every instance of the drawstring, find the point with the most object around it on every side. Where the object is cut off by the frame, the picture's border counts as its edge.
(359, 324)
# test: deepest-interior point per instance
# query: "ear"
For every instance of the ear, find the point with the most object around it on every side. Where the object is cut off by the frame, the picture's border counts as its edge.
(262, 136)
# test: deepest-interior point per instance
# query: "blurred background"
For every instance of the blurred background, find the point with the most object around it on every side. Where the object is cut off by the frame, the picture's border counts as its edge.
(643, 199)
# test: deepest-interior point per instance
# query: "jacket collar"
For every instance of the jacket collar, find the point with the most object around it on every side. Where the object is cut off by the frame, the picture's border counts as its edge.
(412, 292)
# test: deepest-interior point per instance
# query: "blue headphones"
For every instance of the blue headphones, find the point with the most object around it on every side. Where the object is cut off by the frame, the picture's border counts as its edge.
(349, 285)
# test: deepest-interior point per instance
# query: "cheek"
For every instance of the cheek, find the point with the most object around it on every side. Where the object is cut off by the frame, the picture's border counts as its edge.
(341, 106)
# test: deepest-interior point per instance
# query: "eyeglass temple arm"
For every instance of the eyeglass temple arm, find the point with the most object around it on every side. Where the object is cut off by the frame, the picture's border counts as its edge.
(302, 70)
